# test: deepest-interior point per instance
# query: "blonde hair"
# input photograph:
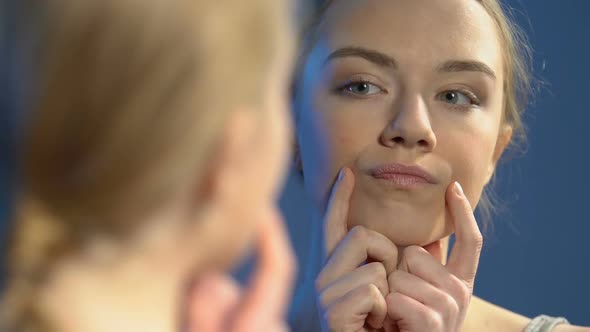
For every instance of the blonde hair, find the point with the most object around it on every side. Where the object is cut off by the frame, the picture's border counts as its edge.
(518, 77)
(517, 60)
(127, 100)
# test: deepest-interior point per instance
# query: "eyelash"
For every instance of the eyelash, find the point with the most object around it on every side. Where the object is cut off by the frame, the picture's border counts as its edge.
(473, 98)
(342, 89)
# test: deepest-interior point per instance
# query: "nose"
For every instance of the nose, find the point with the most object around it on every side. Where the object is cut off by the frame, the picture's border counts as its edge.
(410, 126)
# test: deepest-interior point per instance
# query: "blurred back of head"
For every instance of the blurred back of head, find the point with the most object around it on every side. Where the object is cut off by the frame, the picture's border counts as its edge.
(124, 102)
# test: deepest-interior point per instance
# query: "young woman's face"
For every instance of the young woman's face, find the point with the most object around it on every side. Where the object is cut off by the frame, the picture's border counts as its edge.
(396, 83)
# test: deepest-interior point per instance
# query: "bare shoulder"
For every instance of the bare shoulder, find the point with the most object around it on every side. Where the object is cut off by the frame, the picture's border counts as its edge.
(571, 328)
(484, 316)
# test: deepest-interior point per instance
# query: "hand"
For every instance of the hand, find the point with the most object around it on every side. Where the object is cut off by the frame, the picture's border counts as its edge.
(217, 304)
(352, 298)
(427, 296)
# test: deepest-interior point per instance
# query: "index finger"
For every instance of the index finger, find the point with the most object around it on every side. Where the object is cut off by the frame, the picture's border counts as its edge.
(268, 294)
(336, 216)
(464, 257)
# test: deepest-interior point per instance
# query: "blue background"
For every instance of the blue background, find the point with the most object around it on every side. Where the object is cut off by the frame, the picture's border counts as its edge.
(536, 259)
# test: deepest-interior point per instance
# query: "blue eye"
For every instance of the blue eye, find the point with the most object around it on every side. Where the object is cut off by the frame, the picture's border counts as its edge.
(362, 88)
(459, 98)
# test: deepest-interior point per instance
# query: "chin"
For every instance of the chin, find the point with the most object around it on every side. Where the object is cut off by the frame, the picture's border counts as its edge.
(403, 223)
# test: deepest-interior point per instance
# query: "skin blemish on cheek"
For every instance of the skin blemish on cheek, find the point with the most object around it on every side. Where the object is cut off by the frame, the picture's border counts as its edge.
(345, 139)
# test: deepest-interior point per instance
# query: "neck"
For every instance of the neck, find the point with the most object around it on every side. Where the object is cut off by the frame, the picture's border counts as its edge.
(138, 284)
(80, 297)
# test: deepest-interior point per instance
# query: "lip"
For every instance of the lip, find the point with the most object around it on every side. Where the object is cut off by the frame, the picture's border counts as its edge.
(403, 176)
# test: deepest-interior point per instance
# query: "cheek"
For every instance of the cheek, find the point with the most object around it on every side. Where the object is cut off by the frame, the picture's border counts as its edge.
(333, 138)
(271, 152)
(313, 148)
(344, 146)
(281, 151)
(233, 238)
(351, 128)
(470, 157)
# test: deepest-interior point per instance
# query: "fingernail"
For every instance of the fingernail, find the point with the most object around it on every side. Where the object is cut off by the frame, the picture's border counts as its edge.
(340, 174)
(458, 189)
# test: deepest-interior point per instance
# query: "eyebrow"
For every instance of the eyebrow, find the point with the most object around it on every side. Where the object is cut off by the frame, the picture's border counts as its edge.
(384, 60)
(376, 57)
(454, 66)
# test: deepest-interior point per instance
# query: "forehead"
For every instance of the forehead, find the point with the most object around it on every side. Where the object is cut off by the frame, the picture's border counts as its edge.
(416, 32)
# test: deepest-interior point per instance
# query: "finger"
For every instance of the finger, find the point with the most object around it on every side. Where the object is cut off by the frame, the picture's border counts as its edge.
(464, 257)
(411, 315)
(365, 304)
(269, 291)
(424, 292)
(211, 300)
(417, 261)
(389, 325)
(336, 216)
(372, 273)
(359, 245)
(435, 249)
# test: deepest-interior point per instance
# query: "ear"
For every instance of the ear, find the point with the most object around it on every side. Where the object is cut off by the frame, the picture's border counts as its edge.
(223, 180)
(504, 138)
(231, 158)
